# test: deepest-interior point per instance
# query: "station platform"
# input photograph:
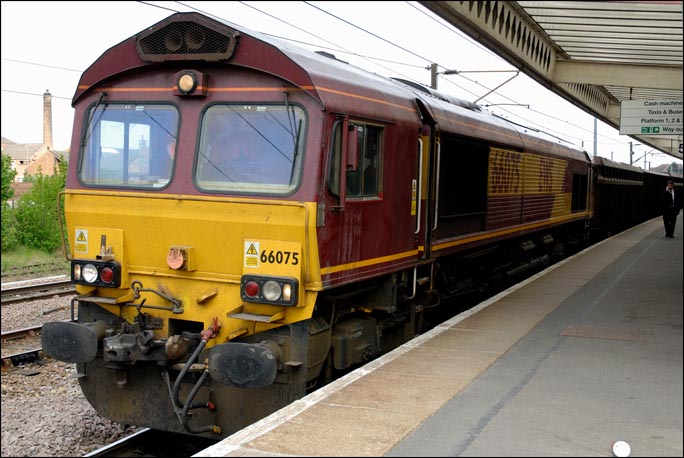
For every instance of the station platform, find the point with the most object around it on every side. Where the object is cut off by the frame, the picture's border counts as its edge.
(583, 354)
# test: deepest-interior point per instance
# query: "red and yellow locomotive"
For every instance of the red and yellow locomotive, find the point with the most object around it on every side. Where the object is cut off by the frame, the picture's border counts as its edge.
(245, 218)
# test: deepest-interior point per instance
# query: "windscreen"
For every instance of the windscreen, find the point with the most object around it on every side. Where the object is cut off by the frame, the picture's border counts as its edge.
(250, 149)
(129, 145)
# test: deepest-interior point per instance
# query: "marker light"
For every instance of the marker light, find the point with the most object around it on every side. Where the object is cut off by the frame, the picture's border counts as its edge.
(287, 292)
(251, 288)
(107, 274)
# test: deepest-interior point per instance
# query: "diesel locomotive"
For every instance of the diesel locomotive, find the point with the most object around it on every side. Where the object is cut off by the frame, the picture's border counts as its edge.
(246, 219)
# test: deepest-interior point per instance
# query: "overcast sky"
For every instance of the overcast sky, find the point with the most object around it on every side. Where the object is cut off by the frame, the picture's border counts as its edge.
(46, 45)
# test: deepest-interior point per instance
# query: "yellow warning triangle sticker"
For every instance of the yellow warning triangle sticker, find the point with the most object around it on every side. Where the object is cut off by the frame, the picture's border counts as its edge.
(251, 249)
(81, 237)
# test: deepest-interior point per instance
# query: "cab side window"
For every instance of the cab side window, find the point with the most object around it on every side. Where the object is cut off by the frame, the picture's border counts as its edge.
(364, 171)
(369, 161)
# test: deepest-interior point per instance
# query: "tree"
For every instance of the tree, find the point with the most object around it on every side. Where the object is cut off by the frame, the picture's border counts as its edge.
(9, 224)
(36, 214)
(8, 175)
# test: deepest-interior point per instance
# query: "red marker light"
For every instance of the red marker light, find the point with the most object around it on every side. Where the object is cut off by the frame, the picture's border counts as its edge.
(251, 288)
(107, 275)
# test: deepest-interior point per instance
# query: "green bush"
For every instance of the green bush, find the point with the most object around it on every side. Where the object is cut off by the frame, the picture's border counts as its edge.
(8, 174)
(9, 228)
(37, 224)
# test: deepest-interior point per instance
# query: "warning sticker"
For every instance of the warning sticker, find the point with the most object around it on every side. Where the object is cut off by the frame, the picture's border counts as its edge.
(81, 243)
(251, 254)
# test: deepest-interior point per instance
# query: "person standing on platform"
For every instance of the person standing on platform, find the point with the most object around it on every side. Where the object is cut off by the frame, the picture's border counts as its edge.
(670, 206)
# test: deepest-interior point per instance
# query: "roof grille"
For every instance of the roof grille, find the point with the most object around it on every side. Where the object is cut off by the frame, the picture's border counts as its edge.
(186, 40)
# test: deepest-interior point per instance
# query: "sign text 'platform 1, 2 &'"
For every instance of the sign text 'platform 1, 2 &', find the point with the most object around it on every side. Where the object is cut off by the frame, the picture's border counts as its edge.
(652, 117)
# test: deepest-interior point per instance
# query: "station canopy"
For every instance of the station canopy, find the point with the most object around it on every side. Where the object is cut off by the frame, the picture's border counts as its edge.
(595, 54)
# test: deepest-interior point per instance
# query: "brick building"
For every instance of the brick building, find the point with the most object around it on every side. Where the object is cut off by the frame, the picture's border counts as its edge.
(29, 158)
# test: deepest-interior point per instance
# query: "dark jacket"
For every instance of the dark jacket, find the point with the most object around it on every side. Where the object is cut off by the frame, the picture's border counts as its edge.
(666, 202)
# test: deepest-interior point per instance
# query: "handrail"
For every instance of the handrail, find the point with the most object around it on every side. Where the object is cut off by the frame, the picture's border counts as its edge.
(415, 280)
(67, 254)
(420, 182)
(437, 173)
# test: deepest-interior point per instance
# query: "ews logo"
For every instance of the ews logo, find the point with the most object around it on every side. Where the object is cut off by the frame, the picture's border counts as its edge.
(505, 172)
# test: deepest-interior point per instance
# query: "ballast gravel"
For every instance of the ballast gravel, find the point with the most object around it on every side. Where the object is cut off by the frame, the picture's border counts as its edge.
(44, 412)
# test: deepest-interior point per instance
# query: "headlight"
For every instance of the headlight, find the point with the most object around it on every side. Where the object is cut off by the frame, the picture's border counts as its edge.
(89, 273)
(187, 83)
(272, 290)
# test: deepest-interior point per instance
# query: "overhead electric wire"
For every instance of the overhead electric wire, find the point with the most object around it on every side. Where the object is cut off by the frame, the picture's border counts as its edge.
(33, 93)
(348, 52)
(370, 33)
(536, 111)
(429, 61)
(291, 25)
(539, 126)
(41, 65)
(337, 47)
(157, 6)
(328, 41)
(475, 43)
(458, 33)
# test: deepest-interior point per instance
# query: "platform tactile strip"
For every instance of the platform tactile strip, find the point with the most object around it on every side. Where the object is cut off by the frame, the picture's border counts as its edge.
(605, 332)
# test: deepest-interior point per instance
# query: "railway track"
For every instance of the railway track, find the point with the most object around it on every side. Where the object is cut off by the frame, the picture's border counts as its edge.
(21, 355)
(21, 333)
(34, 270)
(17, 359)
(24, 355)
(153, 443)
(23, 344)
(60, 287)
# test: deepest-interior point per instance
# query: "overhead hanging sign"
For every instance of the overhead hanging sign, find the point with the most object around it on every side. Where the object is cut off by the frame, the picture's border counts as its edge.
(651, 117)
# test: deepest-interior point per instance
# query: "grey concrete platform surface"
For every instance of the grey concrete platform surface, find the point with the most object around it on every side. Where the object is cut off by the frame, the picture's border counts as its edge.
(586, 353)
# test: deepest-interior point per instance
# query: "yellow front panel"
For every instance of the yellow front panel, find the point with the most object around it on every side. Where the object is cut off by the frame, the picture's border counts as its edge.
(222, 235)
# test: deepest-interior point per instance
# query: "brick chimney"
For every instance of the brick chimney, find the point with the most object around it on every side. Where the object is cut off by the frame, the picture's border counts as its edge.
(47, 119)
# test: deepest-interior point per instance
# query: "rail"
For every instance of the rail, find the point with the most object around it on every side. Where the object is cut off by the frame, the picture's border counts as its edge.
(151, 442)
(37, 291)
